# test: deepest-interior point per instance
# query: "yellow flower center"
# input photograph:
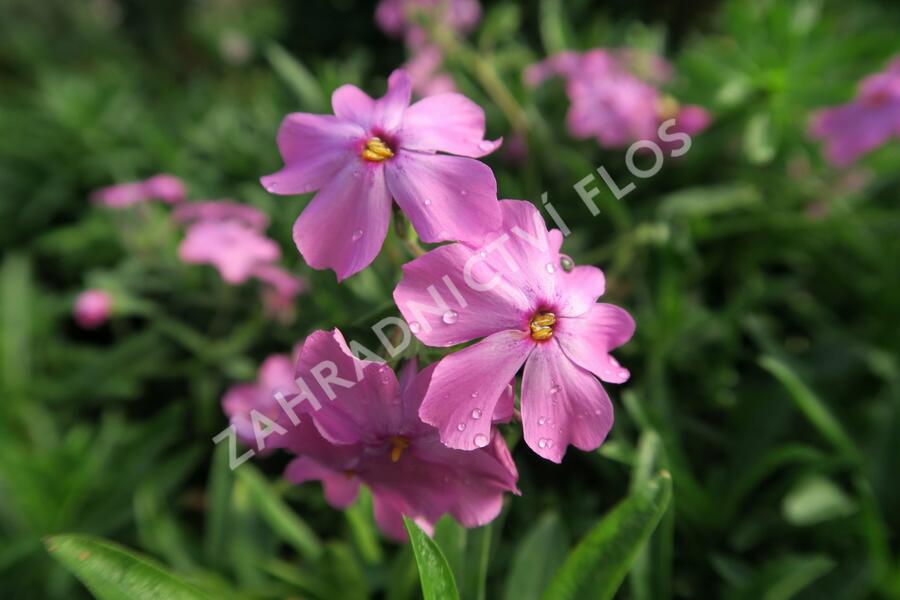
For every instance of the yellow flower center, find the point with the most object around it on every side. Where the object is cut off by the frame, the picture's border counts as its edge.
(542, 326)
(398, 445)
(376, 150)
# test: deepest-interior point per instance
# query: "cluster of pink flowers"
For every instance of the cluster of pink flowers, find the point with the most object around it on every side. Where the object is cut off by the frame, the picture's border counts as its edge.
(401, 18)
(615, 96)
(230, 236)
(222, 233)
(869, 121)
(426, 443)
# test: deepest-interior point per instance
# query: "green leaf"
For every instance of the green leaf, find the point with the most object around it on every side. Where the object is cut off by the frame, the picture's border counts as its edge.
(362, 527)
(536, 559)
(280, 517)
(297, 77)
(434, 572)
(816, 499)
(759, 142)
(111, 572)
(811, 406)
(597, 566)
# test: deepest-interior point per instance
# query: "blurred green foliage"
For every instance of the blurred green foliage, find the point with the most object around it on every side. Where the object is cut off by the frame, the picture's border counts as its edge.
(764, 282)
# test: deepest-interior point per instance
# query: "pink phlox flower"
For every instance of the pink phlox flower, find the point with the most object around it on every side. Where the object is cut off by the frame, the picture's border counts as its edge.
(368, 432)
(372, 151)
(615, 97)
(864, 124)
(529, 306)
(276, 375)
(92, 308)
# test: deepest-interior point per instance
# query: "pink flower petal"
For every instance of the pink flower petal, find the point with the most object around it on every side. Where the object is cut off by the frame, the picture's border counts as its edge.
(466, 386)
(340, 489)
(562, 404)
(352, 104)
(446, 123)
(580, 289)
(424, 297)
(221, 210)
(362, 412)
(445, 197)
(389, 109)
(314, 148)
(587, 340)
(344, 226)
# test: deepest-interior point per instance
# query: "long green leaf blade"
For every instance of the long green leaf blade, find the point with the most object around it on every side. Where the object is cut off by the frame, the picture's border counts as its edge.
(434, 572)
(111, 572)
(597, 566)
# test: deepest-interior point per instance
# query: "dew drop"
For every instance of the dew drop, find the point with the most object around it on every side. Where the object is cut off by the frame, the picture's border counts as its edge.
(476, 413)
(550, 268)
(481, 440)
(549, 443)
(450, 317)
(415, 327)
(357, 235)
(483, 254)
(566, 263)
(542, 421)
(542, 443)
(461, 427)
(427, 202)
(475, 394)
(555, 389)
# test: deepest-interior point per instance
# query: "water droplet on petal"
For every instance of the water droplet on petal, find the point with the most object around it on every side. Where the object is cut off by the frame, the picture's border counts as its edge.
(461, 427)
(549, 443)
(566, 263)
(481, 440)
(483, 254)
(415, 327)
(475, 394)
(550, 268)
(476, 413)
(542, 420)
(357, 234)
(427, 202)
(450, 317)
(555, 389)
(542, 443)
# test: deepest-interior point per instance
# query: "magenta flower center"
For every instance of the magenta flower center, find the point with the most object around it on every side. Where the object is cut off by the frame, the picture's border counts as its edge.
(376, 150)
(542, 326)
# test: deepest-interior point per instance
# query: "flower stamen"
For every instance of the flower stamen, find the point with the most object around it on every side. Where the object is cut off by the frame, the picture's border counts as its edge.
(542, 326)
(399, 444)
(376, 150)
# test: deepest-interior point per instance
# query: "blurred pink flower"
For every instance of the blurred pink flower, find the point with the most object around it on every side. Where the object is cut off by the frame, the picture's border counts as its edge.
(371, 434)
(236, 249)
(92, 308)
(280, 290)
(398, 17)
(221, 210)
(374, 150)
(167, 188)
(424, 68)
(869, 121)
(276, 374)
(532, 307)
(614, 95)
